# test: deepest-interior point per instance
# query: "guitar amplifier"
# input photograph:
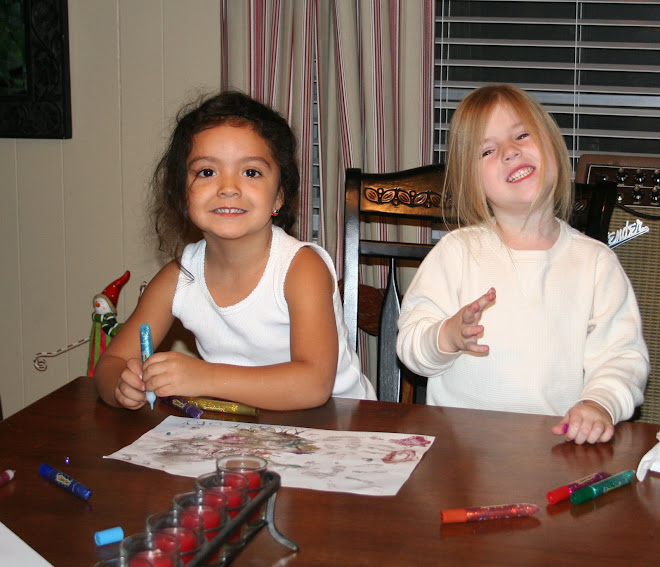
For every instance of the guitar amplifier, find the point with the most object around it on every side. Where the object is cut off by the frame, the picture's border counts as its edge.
(634, 235)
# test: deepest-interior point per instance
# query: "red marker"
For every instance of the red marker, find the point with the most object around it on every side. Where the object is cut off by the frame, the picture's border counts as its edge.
(564, 492)
(6, 476)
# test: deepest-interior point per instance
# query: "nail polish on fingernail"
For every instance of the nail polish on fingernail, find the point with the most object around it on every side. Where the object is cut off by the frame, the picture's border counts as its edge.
(565, 429)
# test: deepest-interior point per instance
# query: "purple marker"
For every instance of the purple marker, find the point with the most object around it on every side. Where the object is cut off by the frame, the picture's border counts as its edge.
(564, 492)
(189, 409)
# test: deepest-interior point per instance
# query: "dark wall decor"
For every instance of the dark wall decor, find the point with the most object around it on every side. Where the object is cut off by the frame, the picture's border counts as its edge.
(35, 96)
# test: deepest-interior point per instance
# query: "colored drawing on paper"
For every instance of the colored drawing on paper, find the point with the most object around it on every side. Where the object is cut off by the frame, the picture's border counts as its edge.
(341, 461)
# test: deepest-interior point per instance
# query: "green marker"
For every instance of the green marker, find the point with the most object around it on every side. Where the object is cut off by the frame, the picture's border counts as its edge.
(595, 490)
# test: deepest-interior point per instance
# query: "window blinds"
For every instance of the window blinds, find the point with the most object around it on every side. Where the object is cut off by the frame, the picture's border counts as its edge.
(595, 66)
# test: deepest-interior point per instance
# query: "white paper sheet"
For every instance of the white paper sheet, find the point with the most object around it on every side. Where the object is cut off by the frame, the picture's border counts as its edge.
(338, 461)
(14, 551)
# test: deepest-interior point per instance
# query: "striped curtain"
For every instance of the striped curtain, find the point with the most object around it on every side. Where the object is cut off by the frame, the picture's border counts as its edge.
(373, 65)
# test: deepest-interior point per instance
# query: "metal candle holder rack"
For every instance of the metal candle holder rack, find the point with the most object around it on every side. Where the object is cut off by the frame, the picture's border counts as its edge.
(267, 493)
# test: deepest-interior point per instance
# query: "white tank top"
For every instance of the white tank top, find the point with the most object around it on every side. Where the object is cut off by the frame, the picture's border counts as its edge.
(255, 331)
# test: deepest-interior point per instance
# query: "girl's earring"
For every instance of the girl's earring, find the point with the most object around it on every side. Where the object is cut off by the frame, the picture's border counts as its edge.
(276, 212)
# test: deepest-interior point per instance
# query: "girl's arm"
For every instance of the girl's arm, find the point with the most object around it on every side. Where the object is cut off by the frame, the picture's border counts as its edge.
(118, 373)
(430, 302)
(616, 363)
(305, 382)
(616, 360)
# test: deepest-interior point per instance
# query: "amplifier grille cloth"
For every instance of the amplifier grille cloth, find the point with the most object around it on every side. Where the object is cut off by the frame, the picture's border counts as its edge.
(640, 257)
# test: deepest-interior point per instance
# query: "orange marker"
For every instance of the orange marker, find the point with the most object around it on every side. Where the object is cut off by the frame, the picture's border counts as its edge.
(477, 514)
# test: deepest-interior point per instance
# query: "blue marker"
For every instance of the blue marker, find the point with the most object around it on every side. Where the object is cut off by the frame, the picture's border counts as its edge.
(65, 481)
(147, 350)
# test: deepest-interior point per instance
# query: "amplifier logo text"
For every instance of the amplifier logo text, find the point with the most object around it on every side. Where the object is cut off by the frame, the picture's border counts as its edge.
(626, 233)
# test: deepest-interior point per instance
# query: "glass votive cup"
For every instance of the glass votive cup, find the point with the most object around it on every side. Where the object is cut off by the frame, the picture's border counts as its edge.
(119, 562)
(149, 550)
(186, 527)
(234, 487)
(212, 507)
(253, 468)
(116, 562)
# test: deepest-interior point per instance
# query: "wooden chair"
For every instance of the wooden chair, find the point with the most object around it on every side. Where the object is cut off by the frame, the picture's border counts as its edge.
(409, 194)
(415, 194)
(593, 208)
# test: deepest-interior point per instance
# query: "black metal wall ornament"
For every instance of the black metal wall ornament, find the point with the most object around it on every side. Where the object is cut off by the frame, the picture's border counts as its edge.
(35, 96)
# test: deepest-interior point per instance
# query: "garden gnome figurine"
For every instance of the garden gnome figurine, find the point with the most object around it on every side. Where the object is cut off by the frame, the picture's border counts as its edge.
(104, 320)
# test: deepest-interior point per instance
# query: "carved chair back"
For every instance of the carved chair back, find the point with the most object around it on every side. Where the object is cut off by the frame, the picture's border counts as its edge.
(410, 194)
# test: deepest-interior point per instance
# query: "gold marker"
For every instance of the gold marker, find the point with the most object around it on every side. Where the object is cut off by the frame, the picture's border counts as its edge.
(221, 406)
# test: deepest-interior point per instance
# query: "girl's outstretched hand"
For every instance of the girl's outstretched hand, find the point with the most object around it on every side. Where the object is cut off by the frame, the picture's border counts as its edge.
(586, 422)
(462, 331)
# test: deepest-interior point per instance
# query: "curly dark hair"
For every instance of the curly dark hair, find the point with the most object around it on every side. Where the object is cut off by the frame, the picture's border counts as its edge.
(169, 190)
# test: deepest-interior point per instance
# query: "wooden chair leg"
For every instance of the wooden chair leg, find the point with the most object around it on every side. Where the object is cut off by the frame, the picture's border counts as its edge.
(407, 392)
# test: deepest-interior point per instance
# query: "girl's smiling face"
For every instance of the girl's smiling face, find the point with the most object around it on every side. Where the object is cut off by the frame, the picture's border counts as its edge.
(233, 182)
(512, 164)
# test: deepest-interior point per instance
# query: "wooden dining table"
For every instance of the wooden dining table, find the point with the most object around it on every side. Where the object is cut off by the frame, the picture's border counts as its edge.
(478, 458)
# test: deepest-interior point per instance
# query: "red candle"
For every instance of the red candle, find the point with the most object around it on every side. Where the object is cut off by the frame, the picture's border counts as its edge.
(254, 481)
(163, 545)
(214, 499)
(235, 502)
(252, 467)
(212, 518)
(187, 538)
(234, 488)
(212, 508)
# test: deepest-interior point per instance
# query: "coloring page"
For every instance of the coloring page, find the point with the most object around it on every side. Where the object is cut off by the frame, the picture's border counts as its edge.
(358, 462)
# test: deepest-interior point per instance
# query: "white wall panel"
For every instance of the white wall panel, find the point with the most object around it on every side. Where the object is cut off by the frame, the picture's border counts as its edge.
(73, 217)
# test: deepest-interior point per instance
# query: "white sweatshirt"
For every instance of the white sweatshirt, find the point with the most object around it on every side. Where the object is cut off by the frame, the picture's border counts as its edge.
(565, 326)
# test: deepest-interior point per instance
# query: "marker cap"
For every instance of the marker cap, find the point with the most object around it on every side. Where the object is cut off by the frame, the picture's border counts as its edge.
(111, 535)
(558, 494)
(455, 516)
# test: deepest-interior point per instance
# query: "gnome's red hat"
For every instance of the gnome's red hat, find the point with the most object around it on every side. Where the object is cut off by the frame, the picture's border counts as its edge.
(113, 289)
